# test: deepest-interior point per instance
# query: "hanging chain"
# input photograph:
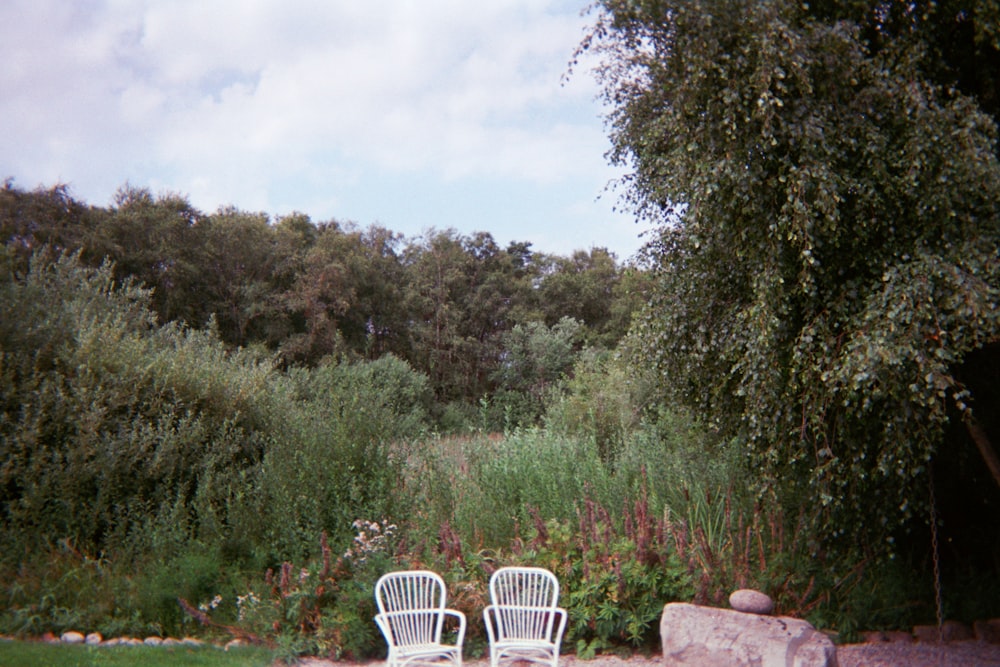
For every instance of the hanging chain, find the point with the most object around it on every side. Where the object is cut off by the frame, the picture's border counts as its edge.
(937, 563)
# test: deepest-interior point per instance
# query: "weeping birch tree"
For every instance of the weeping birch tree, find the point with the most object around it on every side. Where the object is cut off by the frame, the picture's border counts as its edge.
(828, 206)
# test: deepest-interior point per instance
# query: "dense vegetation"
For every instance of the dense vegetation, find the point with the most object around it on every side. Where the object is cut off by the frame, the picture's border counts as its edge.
(231, 424)
(827, 278)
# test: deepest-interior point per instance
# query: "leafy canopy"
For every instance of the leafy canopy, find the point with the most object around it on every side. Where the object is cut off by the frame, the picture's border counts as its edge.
(829, 221)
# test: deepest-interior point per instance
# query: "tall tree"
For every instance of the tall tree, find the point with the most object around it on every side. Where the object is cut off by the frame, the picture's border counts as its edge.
(830, 217)
(156, 239)
(462, 294)
(321, 294)
(438, 271)
(240, 258)
(582, 287)
(49, 217)
(376, 322)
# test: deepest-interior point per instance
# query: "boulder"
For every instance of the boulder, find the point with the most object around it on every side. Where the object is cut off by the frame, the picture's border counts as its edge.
(751, 601)
(72, 637)
(94, 639)
(708, 637)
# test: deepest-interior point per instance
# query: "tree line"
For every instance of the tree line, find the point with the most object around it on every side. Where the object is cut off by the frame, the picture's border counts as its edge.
(452, 306)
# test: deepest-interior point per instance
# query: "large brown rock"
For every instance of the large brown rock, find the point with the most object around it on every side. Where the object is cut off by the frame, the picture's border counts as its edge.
(709, 637)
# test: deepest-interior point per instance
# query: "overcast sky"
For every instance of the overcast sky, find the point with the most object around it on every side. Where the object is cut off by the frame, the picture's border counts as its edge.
(409, 114)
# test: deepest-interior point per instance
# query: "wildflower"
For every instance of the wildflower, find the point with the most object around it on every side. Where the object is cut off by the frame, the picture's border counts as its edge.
(245, 604)
(208, 606)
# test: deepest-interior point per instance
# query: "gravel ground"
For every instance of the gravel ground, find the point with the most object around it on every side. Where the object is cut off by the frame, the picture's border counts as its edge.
(891, 654)
(882, 654)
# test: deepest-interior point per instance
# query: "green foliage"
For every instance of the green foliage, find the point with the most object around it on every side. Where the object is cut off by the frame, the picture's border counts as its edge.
(581, 287)
(602, 403)
(525, 469)
(537, 356)
(388, 385)
(129, 438)
(333, 462)
(30, 654)
(535, 361)
(827, 254)
(156, 479)
(62, 589)
(48, 218)
(310, 291)
(110, 417)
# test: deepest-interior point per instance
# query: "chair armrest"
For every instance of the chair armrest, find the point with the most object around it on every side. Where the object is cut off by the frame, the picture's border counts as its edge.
(489, 621)
(461, 624)
(562, 624)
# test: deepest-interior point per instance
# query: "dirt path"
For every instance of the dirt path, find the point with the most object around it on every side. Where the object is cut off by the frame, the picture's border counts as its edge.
(884, 654)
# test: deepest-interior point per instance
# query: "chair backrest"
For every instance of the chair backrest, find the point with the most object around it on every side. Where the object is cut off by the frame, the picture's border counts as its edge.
(525, 599)
(412, 605)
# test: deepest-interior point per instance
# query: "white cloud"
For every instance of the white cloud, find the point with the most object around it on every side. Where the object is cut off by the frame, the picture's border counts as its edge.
(247, 101)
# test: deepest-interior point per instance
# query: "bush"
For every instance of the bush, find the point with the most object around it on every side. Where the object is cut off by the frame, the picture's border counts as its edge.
(602, 403)
(164, 452)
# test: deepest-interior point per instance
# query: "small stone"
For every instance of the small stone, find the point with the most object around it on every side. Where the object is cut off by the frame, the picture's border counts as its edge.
(874, 637)
(72, 637)
(170, 641)
(191, 641)
(152, 641)
(236, 643)
(751, 602)
(94, 639)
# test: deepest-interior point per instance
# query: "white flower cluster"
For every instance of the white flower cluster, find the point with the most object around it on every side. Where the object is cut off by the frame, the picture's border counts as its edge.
(372, 538)
(246, 604)
(209, 606)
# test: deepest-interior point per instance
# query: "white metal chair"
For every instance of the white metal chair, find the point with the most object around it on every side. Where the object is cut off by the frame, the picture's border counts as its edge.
(522, 620)
(412, 615)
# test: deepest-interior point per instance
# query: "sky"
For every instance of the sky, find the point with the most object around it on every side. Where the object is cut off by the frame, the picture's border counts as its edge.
(414, 115)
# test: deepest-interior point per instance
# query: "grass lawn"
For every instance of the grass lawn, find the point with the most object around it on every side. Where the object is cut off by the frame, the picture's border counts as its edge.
(35, 654)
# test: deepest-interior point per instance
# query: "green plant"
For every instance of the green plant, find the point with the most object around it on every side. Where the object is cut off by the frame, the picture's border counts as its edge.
(61, 589)
(197, 575)
(31, 654)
